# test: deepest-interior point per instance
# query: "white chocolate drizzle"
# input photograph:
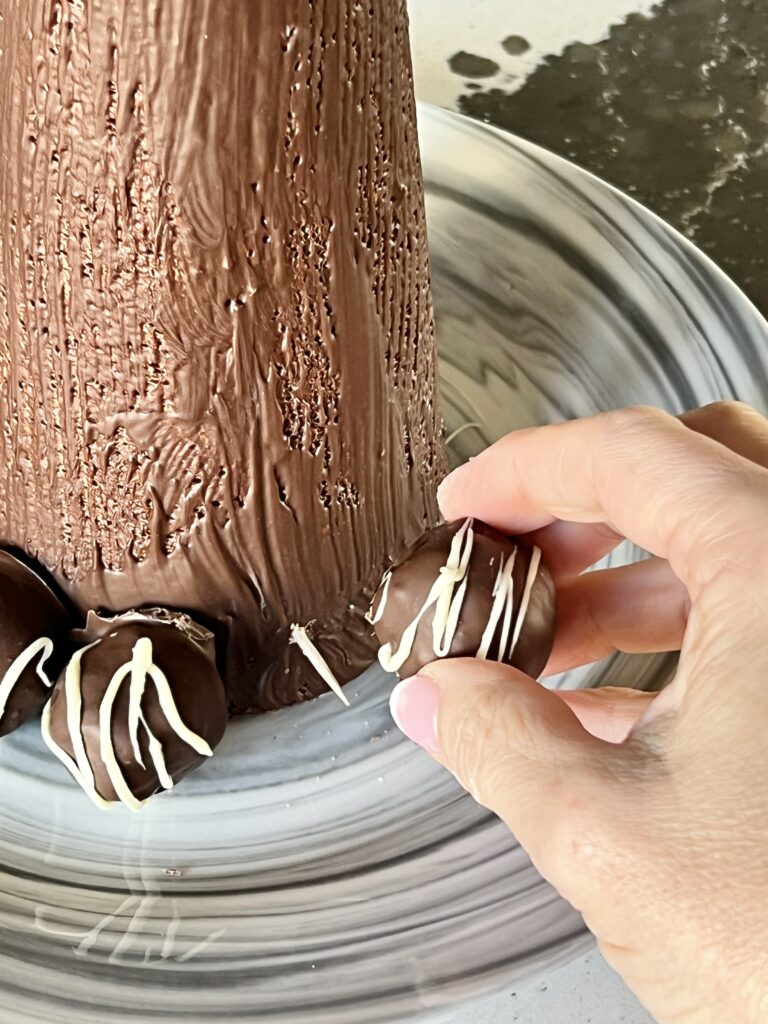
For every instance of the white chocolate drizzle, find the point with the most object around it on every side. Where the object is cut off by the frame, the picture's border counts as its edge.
(43, 647)
(503, 604)
(525, 603)
(300, 637)
(448, 605)
(139, 670)
(384, 587)
(79, 766)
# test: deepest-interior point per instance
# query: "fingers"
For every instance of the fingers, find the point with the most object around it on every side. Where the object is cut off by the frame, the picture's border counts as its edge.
(640, 470)
(735, 425)
(521, 751)
(510, 742)
(610, 713)
(638, 608)
(569, 548)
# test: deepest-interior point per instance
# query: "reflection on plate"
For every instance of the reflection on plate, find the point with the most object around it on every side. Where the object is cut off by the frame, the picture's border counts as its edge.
(319, 868)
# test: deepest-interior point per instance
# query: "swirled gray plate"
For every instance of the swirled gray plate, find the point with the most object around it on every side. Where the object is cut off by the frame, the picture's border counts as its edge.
(320, 868)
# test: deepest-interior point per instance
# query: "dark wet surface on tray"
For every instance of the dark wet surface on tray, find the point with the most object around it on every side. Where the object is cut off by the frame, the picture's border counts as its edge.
(673, 108)
(472, 66)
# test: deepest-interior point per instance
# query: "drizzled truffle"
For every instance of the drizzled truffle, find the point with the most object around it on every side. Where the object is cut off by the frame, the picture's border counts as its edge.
(33, 623)
(137, 708)
(466, 590)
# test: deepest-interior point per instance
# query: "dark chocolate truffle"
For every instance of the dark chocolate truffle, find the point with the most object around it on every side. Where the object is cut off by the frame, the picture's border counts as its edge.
(33, 623)
(137, 708)
(466, 590)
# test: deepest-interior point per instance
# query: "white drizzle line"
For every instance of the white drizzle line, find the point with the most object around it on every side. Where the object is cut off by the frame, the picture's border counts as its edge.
(73, 700)
(533, 572)
(158, 758)
(503, 604)
(300, 637)
(509, 608)
(106, 746)
(447, 606)
(43, 647)
(373, 619)
(138, 669)
(171, 712)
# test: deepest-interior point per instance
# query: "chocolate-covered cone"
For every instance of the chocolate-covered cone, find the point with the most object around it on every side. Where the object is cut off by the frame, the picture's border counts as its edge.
(217, 358)
(198, 693)
(412, 580)
(29, 611)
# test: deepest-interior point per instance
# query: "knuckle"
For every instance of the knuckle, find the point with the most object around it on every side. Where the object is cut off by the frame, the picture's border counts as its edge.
(722, 411)
(737, 427)
(635, 419)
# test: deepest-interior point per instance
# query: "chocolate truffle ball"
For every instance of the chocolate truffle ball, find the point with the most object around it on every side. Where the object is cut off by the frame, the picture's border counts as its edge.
(33, 625)
(466, 590)
(138, 707)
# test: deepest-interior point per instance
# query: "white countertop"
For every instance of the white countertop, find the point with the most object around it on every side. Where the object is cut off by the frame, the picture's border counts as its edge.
(441, 28)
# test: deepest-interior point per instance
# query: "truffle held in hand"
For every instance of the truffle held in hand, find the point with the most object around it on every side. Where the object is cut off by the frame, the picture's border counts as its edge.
(466, 590)
(137, 708)
(32, 623)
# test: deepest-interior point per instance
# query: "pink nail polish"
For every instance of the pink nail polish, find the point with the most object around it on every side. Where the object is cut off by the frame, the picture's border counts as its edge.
(414, 704)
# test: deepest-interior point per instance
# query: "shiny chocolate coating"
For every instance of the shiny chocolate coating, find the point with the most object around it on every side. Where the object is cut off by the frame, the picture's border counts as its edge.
(181, 649)
(411, 581)
(29, 611)
(217, 357)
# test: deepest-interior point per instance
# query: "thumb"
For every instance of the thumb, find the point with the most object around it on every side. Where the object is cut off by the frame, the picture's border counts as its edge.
(520, 751)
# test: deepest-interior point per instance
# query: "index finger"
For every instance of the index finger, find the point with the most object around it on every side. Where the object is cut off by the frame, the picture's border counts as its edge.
(676, 493)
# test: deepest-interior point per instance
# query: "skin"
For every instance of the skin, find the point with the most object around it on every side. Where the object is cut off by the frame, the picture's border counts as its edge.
(649, 814)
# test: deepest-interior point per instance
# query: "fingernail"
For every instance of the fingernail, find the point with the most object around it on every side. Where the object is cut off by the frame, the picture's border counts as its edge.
(414, 704)
(451, 484)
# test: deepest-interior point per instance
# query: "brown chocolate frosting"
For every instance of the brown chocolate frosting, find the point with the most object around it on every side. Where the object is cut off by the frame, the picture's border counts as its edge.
(217, 365)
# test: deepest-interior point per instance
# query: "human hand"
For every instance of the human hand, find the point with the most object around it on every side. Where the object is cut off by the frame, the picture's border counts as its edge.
(649, 814)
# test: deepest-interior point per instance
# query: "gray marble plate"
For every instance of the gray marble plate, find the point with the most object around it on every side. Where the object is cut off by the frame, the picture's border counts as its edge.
(320, 869)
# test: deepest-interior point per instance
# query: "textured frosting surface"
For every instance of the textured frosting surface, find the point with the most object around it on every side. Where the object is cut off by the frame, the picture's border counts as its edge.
(216, 344)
